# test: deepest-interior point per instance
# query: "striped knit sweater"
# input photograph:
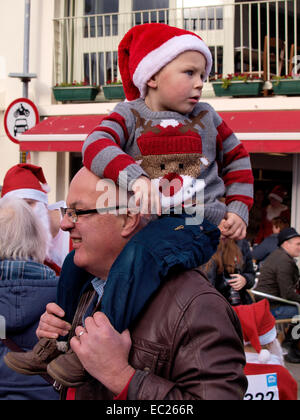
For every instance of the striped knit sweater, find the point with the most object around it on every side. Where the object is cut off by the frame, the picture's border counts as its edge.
(156, 144)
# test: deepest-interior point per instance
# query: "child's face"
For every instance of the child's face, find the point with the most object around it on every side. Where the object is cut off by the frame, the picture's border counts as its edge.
(178, 86)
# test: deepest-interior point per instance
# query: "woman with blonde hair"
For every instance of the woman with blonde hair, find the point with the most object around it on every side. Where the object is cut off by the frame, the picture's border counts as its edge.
(231, 270)
(26, 287)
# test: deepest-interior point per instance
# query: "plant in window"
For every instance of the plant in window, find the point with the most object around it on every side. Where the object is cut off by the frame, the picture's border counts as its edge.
(114, 89)
(278, 79)
(114, 82)
(238, 84)
(236, 77)
(75, 91)
(286, 85)
(83, 83)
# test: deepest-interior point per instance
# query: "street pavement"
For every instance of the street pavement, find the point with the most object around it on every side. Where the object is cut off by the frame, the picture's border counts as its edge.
(294, 369)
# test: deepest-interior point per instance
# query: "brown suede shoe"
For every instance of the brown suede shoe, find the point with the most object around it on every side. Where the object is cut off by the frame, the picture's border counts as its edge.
(33, 362)
(67, 370)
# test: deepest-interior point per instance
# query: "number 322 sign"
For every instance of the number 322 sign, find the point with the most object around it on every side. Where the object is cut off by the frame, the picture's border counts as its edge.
(20, 116)
(262, 387)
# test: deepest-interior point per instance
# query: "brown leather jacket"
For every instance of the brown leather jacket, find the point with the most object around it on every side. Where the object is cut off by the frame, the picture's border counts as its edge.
(187, 344)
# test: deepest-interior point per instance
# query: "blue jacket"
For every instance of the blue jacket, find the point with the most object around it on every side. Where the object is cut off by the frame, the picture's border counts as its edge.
(25, 290)
(265, 248)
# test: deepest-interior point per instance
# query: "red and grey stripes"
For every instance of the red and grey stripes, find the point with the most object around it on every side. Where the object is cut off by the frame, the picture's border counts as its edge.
(103, 151)
(236, 169)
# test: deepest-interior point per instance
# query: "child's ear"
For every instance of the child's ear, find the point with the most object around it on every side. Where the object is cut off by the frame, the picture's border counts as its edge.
(152, 83)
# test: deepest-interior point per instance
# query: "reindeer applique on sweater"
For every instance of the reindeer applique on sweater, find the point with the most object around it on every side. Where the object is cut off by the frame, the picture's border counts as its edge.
(181, 153)
(171, 154)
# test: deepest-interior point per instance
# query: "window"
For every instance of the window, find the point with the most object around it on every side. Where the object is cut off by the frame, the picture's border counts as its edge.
(104, 25)
(99, 7)
(217, 54)
(202, 19)
(69, 11)
(100, 68)
(161, 16)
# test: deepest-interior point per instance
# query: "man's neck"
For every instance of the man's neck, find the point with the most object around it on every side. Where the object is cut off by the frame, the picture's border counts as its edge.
(285, 250)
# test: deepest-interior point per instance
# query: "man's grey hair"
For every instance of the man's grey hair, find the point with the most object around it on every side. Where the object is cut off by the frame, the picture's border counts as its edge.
(22, 236)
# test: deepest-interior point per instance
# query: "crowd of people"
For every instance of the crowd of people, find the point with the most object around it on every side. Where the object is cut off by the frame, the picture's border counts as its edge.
(149, 301)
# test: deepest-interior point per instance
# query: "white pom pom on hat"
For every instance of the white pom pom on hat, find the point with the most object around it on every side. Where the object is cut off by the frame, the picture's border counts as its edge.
(258, 326)
(264, 356)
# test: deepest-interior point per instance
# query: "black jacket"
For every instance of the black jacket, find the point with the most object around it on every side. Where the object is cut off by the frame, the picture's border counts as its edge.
(247, 271)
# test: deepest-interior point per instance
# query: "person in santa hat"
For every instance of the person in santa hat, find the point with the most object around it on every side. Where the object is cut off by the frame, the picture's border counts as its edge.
(264, 355)
(174, 152)
(28, 182)
(276, 208)
(163, 71)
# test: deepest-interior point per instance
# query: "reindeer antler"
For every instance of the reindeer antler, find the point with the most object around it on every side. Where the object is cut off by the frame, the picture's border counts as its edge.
(195, 121)
(141, 122)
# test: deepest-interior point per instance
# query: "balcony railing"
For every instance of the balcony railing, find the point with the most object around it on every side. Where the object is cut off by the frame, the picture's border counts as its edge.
(260, 37)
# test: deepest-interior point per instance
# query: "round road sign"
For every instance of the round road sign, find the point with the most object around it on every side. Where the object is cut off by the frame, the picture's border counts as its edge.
(20, 116)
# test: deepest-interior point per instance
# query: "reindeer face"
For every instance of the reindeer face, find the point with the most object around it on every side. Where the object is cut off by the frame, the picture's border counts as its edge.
(172, 157)
(175, 176)
(158, 166)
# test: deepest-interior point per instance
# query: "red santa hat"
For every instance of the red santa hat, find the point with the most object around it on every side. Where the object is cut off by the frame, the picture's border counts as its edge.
(146, 49)
(279, 193)
(26, 181)
(258, 325)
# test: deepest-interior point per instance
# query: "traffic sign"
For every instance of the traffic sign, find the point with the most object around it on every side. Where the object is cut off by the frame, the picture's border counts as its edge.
(20, 116)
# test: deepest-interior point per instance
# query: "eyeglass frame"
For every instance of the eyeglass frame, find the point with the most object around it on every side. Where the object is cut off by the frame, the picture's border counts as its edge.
(77, 213)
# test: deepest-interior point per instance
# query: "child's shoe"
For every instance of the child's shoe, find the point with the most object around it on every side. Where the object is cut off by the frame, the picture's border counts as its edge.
(67, 370)
(35, 362)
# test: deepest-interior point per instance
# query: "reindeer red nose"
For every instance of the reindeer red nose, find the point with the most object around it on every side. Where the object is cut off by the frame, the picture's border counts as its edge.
(170, 184)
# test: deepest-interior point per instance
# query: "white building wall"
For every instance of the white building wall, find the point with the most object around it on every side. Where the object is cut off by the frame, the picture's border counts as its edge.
(11, 53)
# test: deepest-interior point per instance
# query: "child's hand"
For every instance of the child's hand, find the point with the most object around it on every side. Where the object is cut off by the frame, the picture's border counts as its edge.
(146, 196)
(233, 227)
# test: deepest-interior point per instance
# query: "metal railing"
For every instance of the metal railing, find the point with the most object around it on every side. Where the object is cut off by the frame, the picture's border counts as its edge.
(259, 37)
(277, 299)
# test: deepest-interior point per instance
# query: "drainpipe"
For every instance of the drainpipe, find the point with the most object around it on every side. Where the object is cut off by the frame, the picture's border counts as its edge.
(25, 77)
(26, 46)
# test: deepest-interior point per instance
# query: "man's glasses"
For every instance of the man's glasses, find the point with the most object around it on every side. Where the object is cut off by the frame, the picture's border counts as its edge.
(73, 214)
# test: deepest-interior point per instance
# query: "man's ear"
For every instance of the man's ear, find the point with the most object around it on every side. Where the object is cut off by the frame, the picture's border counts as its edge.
(131, 222)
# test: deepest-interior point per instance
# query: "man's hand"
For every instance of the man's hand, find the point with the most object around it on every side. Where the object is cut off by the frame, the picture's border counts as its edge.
(233, 227)
(51, 326)
(104, 352)
(146, 196)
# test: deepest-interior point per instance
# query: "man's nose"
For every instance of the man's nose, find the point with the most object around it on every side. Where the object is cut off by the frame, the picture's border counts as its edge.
(66, 224)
